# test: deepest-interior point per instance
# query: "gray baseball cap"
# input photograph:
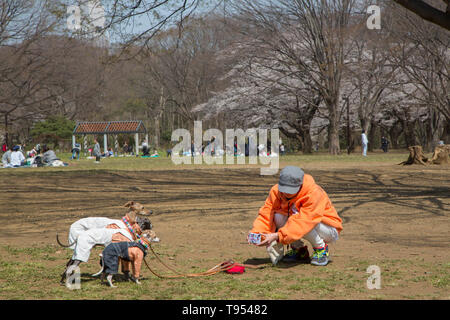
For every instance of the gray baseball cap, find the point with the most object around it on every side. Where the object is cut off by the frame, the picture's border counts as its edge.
(291, 179)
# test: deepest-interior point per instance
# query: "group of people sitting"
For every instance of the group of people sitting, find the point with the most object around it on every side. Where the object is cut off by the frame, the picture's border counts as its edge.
(36, 157)
(146, 151)
(13, 157)
(109, 153)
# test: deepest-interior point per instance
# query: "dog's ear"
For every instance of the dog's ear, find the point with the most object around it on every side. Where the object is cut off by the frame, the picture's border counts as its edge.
(129, 204)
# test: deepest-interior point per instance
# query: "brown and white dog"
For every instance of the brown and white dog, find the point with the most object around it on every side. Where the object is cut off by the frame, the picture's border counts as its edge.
(136, 209)
(88, 232)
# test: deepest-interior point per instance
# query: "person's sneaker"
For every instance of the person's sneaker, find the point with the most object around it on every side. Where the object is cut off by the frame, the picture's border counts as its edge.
(320, 256)
(297, 255)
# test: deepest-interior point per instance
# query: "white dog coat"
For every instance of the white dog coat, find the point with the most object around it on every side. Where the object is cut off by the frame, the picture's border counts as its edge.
(88, 232)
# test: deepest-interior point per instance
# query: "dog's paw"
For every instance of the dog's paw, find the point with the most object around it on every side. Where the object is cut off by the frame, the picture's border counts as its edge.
(135, 280)
(126, 276)
(109, 280)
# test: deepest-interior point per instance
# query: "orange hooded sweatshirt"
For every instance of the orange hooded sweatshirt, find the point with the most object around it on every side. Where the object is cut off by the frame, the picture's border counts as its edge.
(308, 208)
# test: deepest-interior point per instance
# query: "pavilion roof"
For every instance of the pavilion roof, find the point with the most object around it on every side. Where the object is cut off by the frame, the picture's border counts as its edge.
(110, 127)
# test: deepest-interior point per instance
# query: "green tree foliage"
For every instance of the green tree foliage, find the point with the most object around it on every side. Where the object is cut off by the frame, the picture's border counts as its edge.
(53, 130)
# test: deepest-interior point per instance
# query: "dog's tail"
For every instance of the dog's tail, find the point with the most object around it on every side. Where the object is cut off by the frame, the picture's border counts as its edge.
(63, 245)
(102, 263)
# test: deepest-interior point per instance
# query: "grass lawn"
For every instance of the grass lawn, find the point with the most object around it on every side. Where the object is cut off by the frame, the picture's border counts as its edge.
(394, 217)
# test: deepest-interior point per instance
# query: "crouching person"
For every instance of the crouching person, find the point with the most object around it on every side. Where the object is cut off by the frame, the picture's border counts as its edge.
(297, 208)
(133, 252)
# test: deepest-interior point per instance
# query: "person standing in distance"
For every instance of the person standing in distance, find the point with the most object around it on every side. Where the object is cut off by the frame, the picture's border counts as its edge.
(96, 152)
(364, 143)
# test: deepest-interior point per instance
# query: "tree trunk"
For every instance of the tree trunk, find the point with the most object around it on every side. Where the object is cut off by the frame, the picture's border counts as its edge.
(394, 133)
(416, 156)
(303, 135)
(409, 131)
(428, 143)
(172, 122)
(432, 129)
(428, 12)
(304, 129)
(332, 104)
(306, 142)
(158, 117)
(440, 155)
(6, 130)
(305, 125)
(350, 140)
(301, 129)
(371, 137)
(446, 134)
(333, 138)
(157, 131)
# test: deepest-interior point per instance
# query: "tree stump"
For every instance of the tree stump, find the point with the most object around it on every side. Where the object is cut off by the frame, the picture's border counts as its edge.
(416, 156)
(440, 155)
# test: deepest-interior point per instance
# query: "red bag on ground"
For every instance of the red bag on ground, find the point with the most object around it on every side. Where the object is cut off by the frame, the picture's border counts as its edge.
(236, 270)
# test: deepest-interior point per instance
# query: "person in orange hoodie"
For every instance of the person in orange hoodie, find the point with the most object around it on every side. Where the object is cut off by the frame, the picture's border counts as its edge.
(297, 208)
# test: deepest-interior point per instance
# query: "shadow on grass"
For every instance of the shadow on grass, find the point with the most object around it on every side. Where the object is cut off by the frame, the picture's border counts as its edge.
(282, 264)
(290, 264)
(87, 277)
(257, 261)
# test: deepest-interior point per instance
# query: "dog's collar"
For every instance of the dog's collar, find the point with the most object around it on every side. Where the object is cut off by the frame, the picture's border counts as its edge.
(142, 243)
(130, 228)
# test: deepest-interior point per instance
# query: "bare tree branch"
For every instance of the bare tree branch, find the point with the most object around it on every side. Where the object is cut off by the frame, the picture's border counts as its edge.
(428, 12)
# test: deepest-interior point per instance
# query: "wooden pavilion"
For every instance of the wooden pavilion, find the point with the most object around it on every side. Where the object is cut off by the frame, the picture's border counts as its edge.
(106, 128)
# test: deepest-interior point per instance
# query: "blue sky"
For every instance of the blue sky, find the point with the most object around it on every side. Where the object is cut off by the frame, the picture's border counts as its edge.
(142, 22)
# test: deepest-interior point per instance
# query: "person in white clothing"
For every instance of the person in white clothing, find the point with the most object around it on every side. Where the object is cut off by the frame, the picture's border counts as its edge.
(6, 158)
(364, 143)
(17, 158)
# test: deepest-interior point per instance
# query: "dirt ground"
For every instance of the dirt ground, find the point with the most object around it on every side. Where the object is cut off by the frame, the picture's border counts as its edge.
(394, 217)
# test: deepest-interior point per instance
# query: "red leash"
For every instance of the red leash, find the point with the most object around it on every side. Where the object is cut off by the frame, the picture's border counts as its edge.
(228, 266)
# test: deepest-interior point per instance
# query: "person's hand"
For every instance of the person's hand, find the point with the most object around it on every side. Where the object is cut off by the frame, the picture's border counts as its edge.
(268, 239)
